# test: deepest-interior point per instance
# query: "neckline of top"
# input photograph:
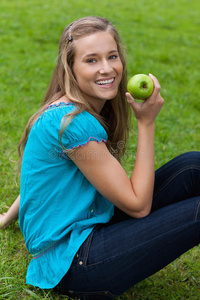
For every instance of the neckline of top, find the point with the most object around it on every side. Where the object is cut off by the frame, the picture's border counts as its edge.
(59, 104)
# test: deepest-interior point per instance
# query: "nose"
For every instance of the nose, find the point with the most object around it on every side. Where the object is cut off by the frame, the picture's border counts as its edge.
(105, 67)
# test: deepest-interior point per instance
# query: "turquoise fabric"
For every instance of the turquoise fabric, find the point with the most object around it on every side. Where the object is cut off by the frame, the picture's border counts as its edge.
(58, 205)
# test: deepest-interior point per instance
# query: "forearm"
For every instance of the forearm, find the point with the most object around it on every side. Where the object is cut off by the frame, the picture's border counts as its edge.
(13, 211)
(11, 214)
(142, 178)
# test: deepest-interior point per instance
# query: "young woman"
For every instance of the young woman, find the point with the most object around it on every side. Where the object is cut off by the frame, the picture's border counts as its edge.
(92, 231)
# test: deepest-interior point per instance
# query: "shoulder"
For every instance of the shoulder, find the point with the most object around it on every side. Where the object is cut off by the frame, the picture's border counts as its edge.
(84, 127)
(76, 128)
(86, 121)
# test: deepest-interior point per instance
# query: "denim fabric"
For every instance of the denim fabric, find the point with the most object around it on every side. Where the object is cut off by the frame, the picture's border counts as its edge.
(124, 251)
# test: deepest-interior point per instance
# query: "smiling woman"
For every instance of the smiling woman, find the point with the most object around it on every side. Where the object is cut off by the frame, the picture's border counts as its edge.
(97, 68)
(93, 232)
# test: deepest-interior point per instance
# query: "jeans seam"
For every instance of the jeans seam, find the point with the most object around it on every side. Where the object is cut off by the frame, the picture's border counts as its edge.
(87, 249)
(197, 211)
(175, 175)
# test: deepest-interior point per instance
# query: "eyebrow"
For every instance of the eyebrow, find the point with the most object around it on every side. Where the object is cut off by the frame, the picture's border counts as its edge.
(95, 54)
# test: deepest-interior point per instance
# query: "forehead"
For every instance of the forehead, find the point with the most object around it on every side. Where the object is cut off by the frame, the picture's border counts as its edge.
(97, 43)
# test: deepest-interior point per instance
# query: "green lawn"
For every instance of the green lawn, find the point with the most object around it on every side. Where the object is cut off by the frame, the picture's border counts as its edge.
(163, 38)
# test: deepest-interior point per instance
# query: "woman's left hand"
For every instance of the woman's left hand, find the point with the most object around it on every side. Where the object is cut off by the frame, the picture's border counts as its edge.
(147, 111)
(11, 215)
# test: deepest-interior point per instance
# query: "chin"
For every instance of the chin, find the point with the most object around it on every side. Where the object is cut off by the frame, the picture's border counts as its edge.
(110, 96)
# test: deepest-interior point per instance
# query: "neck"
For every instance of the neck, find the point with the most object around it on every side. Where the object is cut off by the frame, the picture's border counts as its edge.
(99, 106)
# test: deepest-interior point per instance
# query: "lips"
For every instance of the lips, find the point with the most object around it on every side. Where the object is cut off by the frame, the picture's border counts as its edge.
(105, 81)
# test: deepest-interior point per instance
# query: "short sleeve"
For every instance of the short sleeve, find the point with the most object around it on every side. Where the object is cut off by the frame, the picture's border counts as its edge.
(83, 128)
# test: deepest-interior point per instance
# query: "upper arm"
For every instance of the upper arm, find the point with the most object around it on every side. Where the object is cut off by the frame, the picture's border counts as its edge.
(107, 175)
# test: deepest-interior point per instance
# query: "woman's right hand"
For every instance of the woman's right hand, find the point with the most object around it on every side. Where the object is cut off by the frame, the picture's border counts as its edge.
(3, 221)
(147, 111)
(11, 215)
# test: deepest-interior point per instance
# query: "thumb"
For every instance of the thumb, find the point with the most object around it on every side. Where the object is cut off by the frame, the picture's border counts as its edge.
(131, 100)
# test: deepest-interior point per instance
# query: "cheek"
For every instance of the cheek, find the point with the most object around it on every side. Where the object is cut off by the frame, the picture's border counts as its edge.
(84, 80)
(78, 76)
(119, 69)
(82, 74)
(120, 74)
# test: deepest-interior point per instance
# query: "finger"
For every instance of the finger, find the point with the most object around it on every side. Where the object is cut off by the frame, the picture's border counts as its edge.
(155, 80)
(129, 98)
(160, 100)
(156, 86)
(132, 101)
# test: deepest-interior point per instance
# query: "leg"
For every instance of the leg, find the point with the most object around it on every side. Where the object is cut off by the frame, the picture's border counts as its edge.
(120, 255)
(177, 180)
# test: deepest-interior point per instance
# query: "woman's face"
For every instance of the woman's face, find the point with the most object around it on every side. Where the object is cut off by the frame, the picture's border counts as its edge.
(97, 68)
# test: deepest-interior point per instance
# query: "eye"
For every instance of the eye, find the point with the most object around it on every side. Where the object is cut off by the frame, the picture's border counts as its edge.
(114, 56)
(91, 60)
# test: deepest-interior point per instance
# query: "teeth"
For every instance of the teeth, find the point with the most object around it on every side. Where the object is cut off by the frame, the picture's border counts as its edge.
(101, 82)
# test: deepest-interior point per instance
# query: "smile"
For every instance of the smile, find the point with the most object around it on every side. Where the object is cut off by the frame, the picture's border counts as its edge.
(105, 82)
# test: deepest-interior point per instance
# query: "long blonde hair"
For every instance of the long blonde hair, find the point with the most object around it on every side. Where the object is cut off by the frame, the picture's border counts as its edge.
(115, 115)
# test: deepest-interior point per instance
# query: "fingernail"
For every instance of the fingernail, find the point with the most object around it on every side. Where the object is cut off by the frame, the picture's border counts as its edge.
(128, 95)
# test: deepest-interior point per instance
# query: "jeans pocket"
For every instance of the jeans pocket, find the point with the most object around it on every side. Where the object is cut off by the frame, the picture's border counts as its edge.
(101, 295)
(81, 256)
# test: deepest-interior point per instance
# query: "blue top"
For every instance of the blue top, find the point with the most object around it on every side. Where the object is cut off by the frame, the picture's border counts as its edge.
(58, 206)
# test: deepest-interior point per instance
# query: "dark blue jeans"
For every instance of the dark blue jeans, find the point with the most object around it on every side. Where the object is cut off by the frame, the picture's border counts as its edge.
(125, 251)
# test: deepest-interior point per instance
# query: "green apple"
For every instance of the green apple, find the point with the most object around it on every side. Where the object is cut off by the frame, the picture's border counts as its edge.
(140, 86)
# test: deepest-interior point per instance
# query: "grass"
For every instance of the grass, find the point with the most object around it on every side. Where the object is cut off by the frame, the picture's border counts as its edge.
(162, 37)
